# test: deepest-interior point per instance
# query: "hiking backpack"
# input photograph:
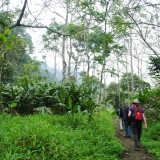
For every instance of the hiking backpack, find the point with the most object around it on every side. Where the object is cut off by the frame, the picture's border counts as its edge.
(138, 114)
(121, 113)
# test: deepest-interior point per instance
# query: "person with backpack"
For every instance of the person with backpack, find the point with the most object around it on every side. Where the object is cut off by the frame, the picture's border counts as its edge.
(127, 123)
(136, 112)
(120, 116)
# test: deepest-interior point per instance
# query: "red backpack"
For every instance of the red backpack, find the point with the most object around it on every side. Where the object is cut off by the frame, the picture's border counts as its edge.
(138, 114)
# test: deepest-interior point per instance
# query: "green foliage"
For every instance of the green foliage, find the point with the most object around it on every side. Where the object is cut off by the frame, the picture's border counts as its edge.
(90, 106)
(154, 66)
(101, 41)
(13, 54)
(59, 97)
(126, 81)
(112, 71)
(151, 139)
(51, 137)
(30, 70)
(120, 23)
(90, 85)
(5, 19)
(150, 101)
(116, 94)
(3, 38)
(90, 11)
(72, 28)
(49, 38)
(14, 44)
(112, 95)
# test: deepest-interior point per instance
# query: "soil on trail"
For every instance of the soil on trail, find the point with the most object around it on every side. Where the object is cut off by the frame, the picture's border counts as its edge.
(129, 152)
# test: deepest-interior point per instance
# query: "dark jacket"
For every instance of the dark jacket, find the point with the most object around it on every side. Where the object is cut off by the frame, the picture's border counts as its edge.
(125, 113)
(120, 113)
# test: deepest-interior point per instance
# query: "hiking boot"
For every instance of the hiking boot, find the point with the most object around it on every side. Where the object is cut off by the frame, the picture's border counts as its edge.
(126, 136)
(136, 148)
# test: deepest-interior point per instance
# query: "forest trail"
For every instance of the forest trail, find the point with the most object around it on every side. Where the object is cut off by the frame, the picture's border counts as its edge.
(129, 152)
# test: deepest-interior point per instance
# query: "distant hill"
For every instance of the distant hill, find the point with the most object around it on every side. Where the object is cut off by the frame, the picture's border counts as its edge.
(48, 72)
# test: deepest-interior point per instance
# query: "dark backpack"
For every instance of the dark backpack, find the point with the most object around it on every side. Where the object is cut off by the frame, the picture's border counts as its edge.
(121, 113)
(138, 114)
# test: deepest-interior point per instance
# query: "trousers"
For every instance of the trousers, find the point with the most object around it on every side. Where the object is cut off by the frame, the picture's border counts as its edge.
(128, 130)
(120, 123)
(137, 131)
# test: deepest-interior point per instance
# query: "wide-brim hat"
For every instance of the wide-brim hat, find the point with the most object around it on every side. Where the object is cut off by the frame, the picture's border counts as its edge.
(136, 101)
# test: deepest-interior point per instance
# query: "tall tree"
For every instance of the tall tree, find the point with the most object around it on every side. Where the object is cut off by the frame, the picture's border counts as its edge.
(138, 85)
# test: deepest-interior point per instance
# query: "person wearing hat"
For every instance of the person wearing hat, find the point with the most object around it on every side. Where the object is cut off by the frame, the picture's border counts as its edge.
(136, 112)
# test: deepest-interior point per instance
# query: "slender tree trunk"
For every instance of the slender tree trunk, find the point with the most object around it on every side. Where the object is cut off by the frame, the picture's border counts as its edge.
(84, 64)
(93, 68)
(104, 90)
(118, 89)
(55, 67)
(101, 79)
(128, 90)
(69, 59)
(104, 62)
(88, 64)
(3, 59)
(63, 60)
(76, 67)
(141, 74)
(63, 46)
(87, 52)
(131, 55)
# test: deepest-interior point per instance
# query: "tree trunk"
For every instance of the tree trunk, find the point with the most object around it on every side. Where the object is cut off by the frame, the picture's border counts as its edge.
(87, 52)
(63, 60)
(128, 90)
(69, 59)
(131, 56)
(118, 89)
(55, 67)
(3, 59)
(63, 47)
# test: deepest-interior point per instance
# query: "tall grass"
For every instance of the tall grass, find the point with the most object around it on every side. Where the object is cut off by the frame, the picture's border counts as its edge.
(151, 139)
(50, 137)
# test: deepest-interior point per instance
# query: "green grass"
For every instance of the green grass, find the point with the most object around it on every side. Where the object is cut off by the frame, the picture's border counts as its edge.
(151, 139)
(50, 137)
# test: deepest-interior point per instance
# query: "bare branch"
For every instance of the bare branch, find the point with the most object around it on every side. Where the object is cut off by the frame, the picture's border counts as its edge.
(141, 35)
(21, 15)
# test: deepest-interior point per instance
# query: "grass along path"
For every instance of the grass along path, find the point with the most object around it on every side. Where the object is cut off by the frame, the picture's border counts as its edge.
(51, 137)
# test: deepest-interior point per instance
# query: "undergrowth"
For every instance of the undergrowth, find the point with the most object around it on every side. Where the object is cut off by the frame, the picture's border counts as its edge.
(151, 139)
(50, 137)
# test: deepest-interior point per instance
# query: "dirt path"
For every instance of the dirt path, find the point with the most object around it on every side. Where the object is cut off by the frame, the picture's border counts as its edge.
(130, 153)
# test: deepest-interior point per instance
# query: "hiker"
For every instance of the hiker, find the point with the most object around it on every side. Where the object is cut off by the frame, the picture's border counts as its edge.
(137, 115)
(120, 116)
(127, 123)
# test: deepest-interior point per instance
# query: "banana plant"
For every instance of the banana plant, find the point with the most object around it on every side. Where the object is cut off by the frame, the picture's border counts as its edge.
(73, 108)
(90, 105)
(12, 106)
